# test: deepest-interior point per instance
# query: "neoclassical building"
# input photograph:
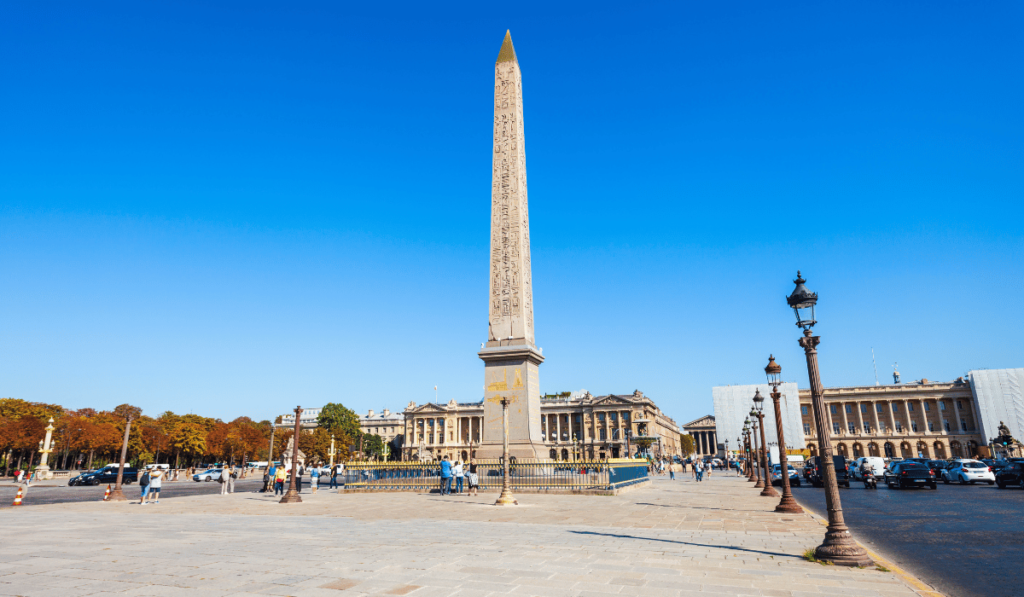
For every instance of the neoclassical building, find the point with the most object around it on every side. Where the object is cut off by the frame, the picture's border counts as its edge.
(918, 419)
(574, 426)
(705, 437)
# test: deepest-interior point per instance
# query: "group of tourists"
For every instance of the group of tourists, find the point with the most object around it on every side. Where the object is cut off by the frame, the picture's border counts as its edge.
(149, 484)
(276, 476)
(458, 472)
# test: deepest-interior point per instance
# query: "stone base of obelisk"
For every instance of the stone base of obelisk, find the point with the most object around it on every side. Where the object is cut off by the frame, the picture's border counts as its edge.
(512, 372)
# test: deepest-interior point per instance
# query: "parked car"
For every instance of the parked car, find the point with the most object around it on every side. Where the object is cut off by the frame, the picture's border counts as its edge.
(910, 474)
(814, 475)
(107, 474)
(794, 476)
(212, 474)
(968, 471)
(1011, 475)
(877, 464)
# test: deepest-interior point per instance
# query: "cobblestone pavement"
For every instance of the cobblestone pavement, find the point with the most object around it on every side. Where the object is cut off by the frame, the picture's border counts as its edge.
(675, 538)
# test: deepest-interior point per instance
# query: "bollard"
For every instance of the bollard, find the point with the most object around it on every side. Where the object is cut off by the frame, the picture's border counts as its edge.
(106, 496)
(17, 498)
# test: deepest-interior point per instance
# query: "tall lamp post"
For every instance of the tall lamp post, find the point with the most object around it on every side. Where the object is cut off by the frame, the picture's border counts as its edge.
(774, 373)
(758, 483)
(505, 499)
(769, 491)
(750, 461)
(292, 495)
(839, 546)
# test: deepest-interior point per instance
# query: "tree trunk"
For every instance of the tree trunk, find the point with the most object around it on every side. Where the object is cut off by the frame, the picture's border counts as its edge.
(91, 453)
(177, 459)
(7, 462)
(21, 457)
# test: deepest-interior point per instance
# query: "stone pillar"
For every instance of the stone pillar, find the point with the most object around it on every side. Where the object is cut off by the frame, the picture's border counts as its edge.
(874, 415)
(956, 425)
(558, 428)
(924, 416)
(846, 420)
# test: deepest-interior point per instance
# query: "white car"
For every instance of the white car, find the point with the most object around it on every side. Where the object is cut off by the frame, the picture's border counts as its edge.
(877, 464)
(968, 471)
(212, 474)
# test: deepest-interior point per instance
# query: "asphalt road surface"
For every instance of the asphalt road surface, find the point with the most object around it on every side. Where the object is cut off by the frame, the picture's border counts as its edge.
(966, 541)
(56, 495)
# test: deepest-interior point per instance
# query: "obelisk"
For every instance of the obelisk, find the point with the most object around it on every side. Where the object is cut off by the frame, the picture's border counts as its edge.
(511, 359)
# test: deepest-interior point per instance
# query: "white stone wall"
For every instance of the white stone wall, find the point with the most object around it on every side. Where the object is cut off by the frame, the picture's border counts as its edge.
(733, 403)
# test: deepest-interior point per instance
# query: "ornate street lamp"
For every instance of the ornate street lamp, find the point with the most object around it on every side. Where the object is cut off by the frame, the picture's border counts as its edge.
(292, 495)
(758, 482)
(769, 491)
(749, 462)
(774, 373)
(505, 499)
(839, 546)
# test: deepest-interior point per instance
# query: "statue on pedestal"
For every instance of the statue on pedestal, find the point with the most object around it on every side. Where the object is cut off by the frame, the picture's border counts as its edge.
(286, 456)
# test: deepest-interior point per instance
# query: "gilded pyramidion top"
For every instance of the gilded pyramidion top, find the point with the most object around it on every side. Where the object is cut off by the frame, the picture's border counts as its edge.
(507, 52)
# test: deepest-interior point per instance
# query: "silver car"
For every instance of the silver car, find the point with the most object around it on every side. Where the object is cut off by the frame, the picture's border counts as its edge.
(212, 474)
(968, 471)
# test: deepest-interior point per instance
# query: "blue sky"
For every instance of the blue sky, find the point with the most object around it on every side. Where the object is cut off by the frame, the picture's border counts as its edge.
(238, 208)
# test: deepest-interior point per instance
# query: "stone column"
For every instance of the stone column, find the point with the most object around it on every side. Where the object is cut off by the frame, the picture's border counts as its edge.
(924, 416)
(956, 424)
(874, 415)
(846, 420)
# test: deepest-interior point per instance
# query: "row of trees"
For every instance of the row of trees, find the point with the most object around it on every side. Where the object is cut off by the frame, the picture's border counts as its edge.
(91, 438)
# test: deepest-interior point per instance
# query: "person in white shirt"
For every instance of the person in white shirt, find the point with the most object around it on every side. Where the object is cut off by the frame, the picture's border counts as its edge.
(459, 475)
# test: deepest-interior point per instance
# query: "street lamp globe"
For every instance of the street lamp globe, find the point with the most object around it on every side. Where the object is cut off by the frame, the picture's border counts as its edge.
(753, 412)
(773, 371)
(802, 301)
(758, 400)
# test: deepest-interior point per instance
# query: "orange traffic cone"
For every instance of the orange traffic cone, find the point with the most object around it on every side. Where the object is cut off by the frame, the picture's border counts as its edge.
(17, 498)
(106, 496)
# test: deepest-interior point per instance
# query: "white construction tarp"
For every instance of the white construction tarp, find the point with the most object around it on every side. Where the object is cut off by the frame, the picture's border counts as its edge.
(998, 397)
(733, 403)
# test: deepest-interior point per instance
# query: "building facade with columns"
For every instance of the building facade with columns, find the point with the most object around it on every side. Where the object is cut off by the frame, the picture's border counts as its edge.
(573, 426)
(388, 425)
(705, 437)
(918, 419)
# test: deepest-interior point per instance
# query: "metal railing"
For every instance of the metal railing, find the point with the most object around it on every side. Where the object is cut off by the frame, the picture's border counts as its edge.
(526, 475)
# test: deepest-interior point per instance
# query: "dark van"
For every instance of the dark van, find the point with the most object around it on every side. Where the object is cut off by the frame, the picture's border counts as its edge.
(816, 476)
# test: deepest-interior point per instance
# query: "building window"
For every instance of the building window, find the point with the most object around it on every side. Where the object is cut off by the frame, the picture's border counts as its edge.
(849, 409)
(867, 428)
(803, 410)
(895, 407)
(963, 424)
(602, 434)
(807, 427)
(945, 423)
(613, 416)
(853, 428)
(927, 407)
(959, 404)
(899, 427)
(910, 406)
(600, 418)
(879, 408)
(832, 408)
(864, 408)
(931, 426)
(881, 427)
(942, 405)
(913, 425)
(835, 428)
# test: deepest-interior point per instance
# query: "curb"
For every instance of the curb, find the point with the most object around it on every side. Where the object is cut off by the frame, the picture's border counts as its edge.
(920, 587)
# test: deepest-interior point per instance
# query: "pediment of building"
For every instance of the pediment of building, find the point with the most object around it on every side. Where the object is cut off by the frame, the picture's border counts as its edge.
(428, 408)
(705, 421)
(612, 400)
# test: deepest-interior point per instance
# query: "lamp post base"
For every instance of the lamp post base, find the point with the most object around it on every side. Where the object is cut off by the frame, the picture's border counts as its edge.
(291, 497)
(844, 551)
(769, 491)
(506, 499)
(789, 506)
(117, 496)
(759, 483)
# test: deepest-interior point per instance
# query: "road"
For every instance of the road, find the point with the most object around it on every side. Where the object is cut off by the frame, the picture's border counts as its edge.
(57, 495)
(966, 541)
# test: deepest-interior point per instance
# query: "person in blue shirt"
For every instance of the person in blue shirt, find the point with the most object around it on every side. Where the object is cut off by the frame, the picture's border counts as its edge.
(268, 479)
(446, 476)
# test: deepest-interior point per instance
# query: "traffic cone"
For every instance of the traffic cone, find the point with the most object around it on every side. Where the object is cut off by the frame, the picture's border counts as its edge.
(106, 496)
(17, 498)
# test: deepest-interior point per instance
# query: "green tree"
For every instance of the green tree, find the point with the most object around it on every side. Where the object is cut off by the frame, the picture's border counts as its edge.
(686, 444)
(373, 446)
(337, 419)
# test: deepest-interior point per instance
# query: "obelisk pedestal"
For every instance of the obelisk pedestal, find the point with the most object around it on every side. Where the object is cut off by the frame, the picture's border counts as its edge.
(511, 359)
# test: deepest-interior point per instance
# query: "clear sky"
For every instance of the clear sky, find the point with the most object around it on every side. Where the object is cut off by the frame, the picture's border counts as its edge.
(236, 207)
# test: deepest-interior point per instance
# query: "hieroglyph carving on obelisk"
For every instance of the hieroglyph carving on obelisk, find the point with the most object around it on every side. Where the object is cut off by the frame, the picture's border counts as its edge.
(511, 309)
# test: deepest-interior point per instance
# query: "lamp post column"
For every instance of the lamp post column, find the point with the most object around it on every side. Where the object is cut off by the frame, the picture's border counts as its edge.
(292, 495)
(750, 462)
(768, 491)
(505, 499)
(758, 483)
(787, 504)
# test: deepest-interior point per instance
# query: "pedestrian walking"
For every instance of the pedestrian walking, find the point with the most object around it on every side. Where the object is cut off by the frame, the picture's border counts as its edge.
(474, 479)
(143, 487)
(334, 478)
(698, 468)
(279, 476)
(671, 472)
(232, 475)
(446, 476)
(298, 479)
(223, 480)
(314, 479)
(459, 474)
(156, 481)
(693, 470)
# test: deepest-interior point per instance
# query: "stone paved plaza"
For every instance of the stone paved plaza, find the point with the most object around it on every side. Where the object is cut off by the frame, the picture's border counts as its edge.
(670, 538)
